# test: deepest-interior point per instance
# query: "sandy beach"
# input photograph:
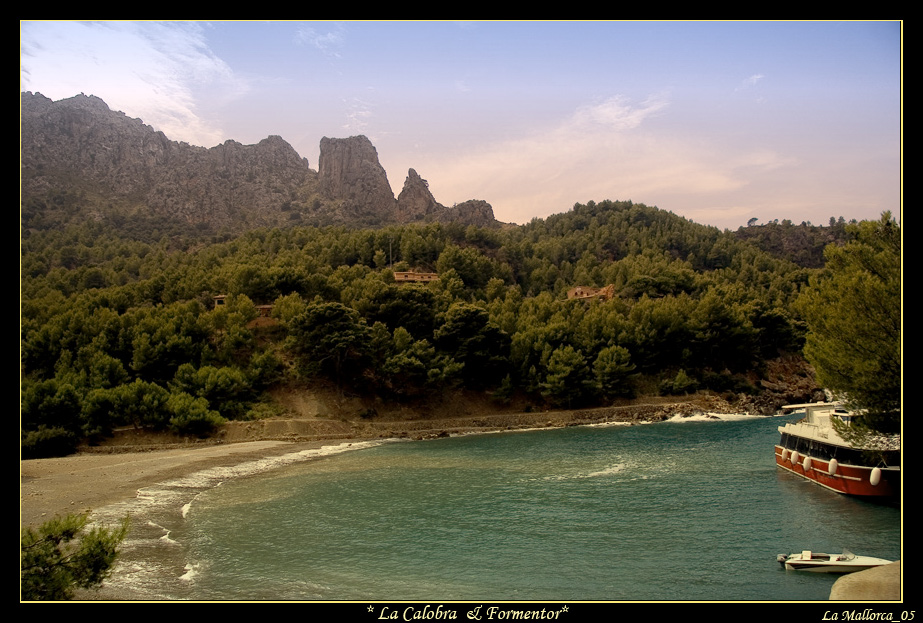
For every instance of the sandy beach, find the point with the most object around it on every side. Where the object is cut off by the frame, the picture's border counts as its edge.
(90, 480)
(84, 482)
(122, 474)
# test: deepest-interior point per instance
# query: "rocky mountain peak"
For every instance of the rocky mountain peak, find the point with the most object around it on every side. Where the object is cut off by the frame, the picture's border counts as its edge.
(472, 212)
(348, 170)
(416, 202)
(81, 160)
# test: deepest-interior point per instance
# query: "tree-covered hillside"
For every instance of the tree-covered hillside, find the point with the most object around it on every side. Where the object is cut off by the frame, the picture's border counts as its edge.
(803, 244)
(120, 331)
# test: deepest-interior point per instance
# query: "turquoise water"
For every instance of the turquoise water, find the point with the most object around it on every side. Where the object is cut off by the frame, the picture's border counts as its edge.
(680, 510)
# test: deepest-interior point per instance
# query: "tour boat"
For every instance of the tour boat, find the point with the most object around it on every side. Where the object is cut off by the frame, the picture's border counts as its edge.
(847, 562)
(811, 448)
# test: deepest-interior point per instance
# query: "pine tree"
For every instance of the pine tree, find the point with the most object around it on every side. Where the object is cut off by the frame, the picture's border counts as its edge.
(62, 556)
(853, 313)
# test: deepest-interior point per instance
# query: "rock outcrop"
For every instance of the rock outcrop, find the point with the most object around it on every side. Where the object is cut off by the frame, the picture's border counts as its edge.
(472, 212)
(103, 162)
(349, 171)
(81, 160)
(416, 202)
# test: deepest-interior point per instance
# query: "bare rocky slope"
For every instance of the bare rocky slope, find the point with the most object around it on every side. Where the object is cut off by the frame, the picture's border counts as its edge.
(81, 160)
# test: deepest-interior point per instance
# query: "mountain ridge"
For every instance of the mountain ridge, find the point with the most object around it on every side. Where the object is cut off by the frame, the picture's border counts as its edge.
(82, 160)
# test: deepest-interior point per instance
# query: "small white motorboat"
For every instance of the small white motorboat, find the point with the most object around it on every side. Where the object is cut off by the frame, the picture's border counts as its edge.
(847, 562)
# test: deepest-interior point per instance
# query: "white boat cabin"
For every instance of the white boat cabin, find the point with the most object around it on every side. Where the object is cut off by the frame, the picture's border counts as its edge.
(819, 413)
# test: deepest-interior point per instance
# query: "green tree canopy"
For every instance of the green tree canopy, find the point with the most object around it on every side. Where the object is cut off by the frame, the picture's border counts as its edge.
(569, 379)
(612, 370)
(469, 336)
(332, 339)
(853, 313)
(62, 555)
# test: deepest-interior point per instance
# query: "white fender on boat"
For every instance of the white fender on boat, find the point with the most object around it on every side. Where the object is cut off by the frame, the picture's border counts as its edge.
(875, 477)
(831, 467)
(807, 463)
(794, 458)
(784, 454)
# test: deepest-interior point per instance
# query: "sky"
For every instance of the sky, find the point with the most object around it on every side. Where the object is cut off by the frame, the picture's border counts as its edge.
(717, 122)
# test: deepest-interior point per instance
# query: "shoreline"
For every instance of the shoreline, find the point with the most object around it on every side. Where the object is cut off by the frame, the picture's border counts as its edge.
(107, 477)
(110, 474)
(86, 482)
(133, 470)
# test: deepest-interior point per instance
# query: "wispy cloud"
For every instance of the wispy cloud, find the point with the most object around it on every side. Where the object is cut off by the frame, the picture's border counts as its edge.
(150, 70)
(604, 150)
(751, 81)
(358, 115)
(328, 43)
(617, 113)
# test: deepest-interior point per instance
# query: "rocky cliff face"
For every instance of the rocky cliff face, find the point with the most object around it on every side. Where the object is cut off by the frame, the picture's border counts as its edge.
(416, 202)
(349, 171)
(471, 212)
(82, 160)
(109, 163)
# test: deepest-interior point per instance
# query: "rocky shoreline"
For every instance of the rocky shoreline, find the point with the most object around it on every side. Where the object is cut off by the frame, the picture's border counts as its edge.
(303, 430)
(415, 427)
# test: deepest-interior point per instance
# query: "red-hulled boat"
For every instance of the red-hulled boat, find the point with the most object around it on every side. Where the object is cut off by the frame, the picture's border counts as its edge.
(812, 449)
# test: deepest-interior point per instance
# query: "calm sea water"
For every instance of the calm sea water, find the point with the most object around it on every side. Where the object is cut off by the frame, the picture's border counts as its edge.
(693, 509)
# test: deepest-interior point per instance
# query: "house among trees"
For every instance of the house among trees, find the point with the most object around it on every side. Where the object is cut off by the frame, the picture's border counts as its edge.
(412, 275)
(584, 292)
